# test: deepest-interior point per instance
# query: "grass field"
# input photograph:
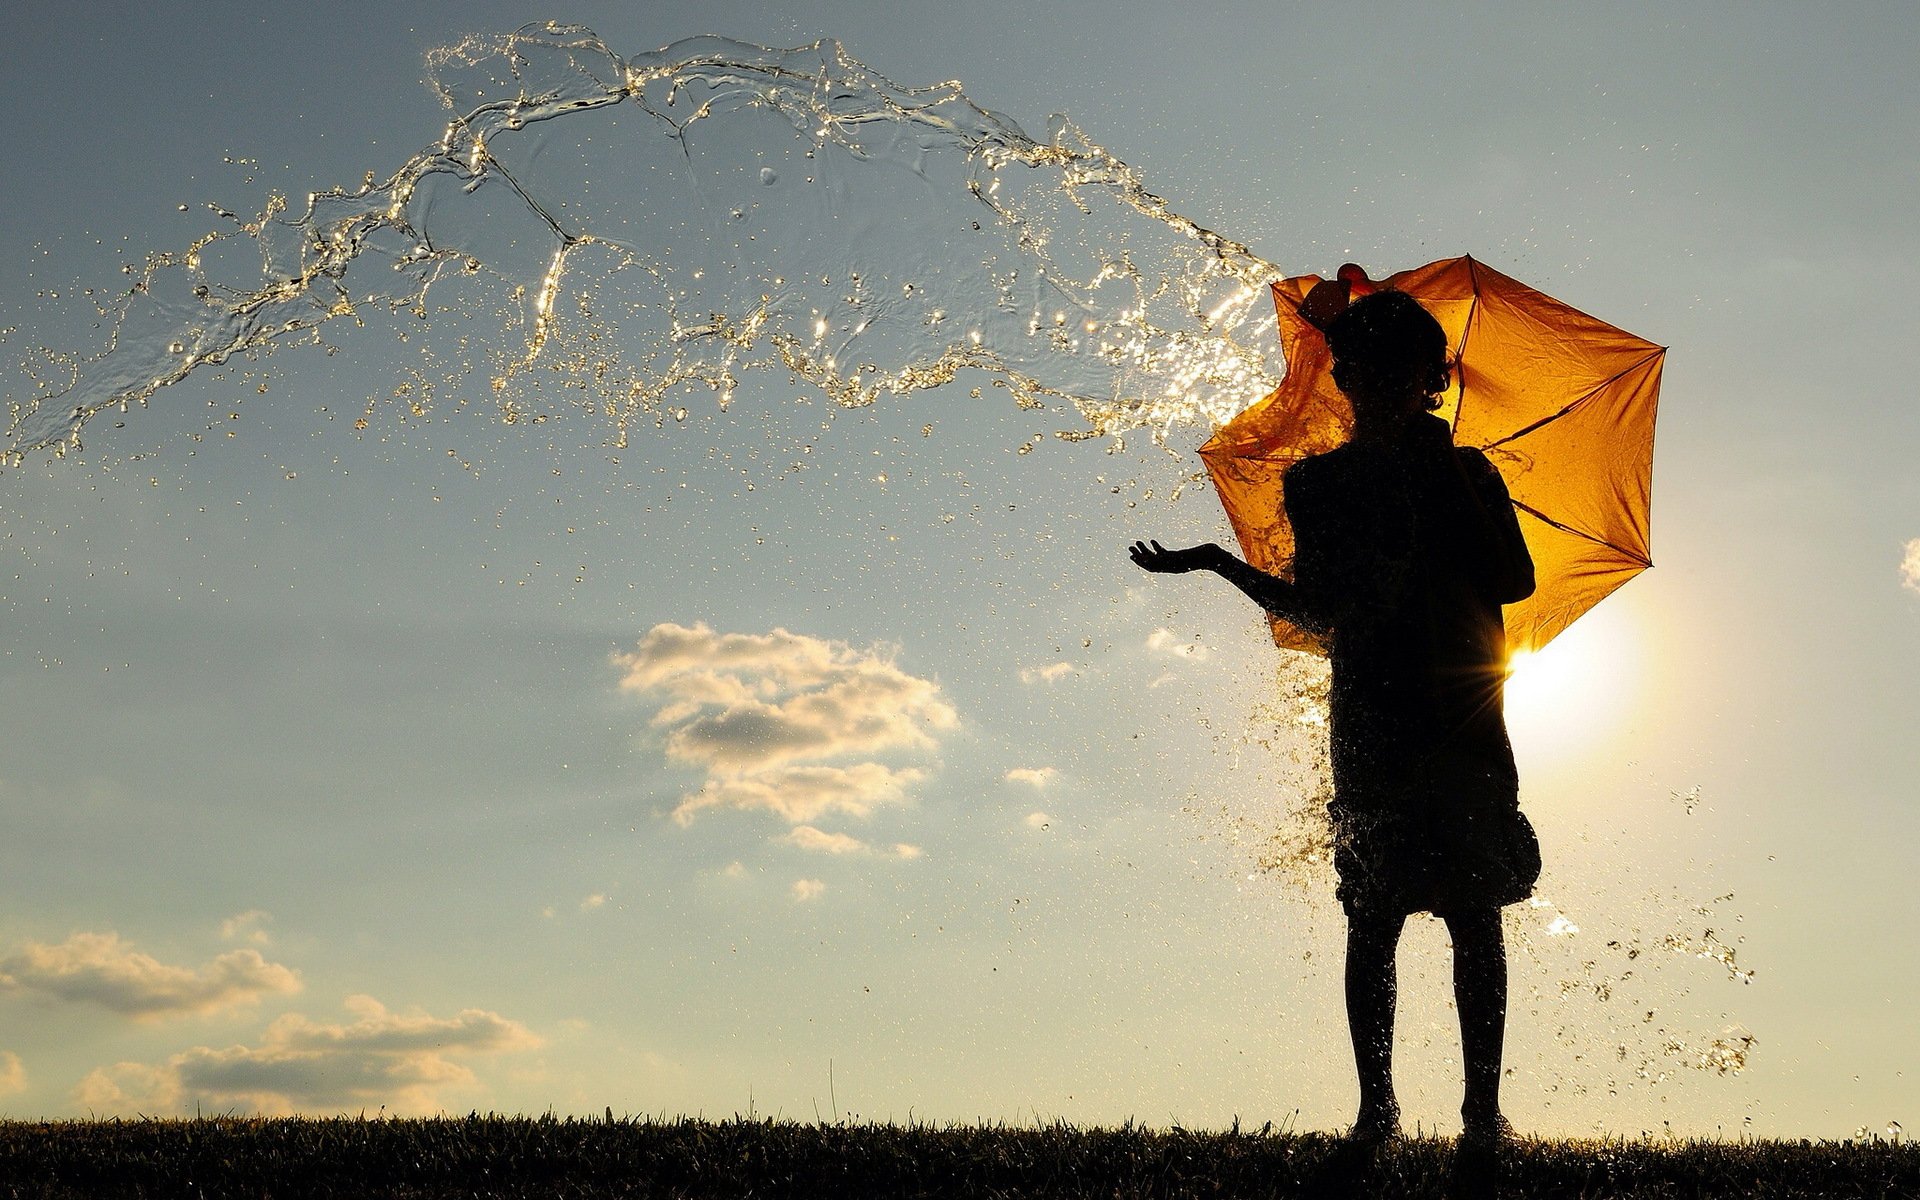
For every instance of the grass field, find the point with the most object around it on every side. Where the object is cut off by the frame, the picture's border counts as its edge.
(493, 1156)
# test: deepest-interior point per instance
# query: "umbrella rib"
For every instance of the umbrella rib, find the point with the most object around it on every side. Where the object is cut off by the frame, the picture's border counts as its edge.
(1530, 510)
(1466, 335)
(1589, 394)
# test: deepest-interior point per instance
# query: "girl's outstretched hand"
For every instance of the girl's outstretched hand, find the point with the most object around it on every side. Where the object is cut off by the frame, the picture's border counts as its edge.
(1152, 556)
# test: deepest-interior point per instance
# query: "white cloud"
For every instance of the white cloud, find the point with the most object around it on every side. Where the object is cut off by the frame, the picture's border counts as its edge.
(1051, 673)
(101, 969)
(802, 794)
(807, 889)
(246, 927)
(1035, 777)
(1910, 566)
(13, 1073)
(808, 838)
(734, 870)
(402, 1061)
(743, 702)
(773, 719)
(1164, 641)
(1038, 820)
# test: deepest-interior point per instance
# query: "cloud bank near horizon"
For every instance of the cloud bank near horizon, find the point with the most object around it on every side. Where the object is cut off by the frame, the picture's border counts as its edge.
(403, 1062)
(102, 969)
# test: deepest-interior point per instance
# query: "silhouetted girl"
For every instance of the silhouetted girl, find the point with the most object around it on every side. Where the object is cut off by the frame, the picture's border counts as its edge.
(1406, 547)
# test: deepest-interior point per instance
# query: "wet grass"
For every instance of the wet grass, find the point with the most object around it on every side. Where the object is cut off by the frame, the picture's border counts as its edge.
(494, 1156)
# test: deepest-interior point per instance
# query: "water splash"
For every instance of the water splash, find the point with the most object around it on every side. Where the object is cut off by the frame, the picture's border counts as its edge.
(1727, 1054)
(1622, 997)
(1706, 944)
(1625, 1001)
(622, 234)
(1282, 824)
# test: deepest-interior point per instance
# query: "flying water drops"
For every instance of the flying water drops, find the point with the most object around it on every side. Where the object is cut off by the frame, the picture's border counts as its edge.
(618, 236)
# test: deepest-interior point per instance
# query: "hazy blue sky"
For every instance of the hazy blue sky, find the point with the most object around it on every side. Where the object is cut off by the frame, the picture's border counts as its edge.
(340, 775)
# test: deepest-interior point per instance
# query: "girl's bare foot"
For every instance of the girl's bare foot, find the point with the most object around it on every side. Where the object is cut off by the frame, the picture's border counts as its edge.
(1486, 1130)
(1376, 1125)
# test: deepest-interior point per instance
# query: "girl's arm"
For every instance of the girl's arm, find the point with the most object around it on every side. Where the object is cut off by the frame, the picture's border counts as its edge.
(1284, 599)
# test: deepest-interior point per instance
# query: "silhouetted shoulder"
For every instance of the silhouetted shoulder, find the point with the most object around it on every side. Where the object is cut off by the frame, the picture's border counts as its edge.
(1320, 466)
(1479, 467)
(1313, 476)
(1474, 460)
(1510, 573)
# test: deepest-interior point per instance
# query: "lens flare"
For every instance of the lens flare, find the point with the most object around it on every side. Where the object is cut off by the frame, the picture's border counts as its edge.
(1571, 694)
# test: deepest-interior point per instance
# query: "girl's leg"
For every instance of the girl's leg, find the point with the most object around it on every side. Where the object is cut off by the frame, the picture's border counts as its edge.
(1371, 942)
(1480, 993)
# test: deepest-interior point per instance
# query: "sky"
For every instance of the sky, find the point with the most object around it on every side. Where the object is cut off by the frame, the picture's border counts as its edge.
(836, 763)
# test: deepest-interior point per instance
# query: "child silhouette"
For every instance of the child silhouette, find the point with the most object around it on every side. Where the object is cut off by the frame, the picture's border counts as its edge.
(1405, 549)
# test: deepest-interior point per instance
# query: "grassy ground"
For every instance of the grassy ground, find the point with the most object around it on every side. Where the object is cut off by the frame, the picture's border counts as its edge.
(520, 1156)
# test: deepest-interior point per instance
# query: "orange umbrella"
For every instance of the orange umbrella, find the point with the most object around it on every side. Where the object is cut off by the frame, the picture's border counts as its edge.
(1562, 403)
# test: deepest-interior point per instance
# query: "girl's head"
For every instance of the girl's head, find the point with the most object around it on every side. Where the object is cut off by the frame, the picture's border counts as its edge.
(1389, 355)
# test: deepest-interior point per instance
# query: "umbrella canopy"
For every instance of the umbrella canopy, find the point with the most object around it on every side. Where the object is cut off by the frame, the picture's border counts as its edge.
(1562, 403)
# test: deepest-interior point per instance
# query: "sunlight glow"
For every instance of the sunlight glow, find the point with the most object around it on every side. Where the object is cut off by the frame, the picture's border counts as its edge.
(1569, 695)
